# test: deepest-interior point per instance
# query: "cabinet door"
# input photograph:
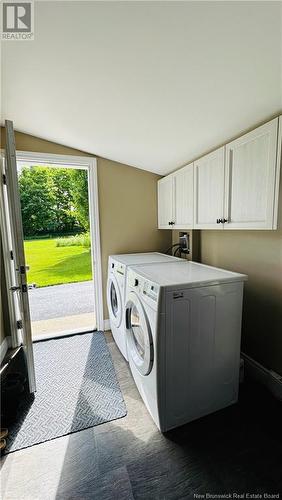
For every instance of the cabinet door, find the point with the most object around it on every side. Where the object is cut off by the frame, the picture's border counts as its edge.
(183, 194)
(250, 179)
(209, 190)
(165, 202)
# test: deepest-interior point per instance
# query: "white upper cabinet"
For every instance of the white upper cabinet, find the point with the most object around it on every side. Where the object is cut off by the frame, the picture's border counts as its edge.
(251, 179)
(165, 202)
(234, 187)
(175, 199)
(183, 195)
(209, 191)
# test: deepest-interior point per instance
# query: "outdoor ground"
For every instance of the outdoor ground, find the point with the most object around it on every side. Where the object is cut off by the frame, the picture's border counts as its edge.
(59, 308)
(61, 300)
(51, 265)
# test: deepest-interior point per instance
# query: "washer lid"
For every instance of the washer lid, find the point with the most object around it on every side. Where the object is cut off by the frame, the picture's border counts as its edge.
(139, 337)
(114, 300)
(143, 258)
(188, 274)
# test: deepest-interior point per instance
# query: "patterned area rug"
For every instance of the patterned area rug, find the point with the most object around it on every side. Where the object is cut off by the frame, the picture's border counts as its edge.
(76, 388)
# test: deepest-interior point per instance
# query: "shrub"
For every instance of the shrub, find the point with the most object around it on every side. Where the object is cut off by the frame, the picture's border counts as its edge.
(79, 240)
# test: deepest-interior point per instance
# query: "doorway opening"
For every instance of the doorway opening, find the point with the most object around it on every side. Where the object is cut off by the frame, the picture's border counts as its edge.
(61, 243)
(12, 232)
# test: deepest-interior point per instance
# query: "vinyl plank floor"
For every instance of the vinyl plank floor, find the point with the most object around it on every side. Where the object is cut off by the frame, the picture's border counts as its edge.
(238, 449)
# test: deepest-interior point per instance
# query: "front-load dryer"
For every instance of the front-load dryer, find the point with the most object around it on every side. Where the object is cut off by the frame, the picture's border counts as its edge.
(116, 289)
(183, 331)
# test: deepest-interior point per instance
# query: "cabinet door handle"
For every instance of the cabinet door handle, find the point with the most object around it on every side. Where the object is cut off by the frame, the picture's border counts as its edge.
(172, 223)
(218, 221)
(225, 220)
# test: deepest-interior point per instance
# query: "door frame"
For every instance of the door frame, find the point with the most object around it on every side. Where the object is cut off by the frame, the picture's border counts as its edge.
(13, 315)
(90, 165)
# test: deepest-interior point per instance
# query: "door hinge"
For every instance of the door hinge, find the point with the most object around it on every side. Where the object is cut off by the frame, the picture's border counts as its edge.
(19, 324)
(11, 254)
(4, 179)
(23, 269)
(15, 288)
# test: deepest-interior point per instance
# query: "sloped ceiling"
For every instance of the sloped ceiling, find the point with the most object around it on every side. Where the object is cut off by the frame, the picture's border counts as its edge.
(150, 84)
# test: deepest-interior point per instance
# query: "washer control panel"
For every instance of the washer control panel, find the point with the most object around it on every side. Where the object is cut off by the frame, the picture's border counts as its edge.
(143, 286)
(151, 290)
(120, 268)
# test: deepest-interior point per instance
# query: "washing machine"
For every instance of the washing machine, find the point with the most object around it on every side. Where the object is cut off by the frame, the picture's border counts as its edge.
(183, 331)
(116, 287)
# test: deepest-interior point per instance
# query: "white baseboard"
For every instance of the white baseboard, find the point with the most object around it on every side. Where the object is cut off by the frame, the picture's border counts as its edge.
(107, 325)
(4, 347)
(269, 378)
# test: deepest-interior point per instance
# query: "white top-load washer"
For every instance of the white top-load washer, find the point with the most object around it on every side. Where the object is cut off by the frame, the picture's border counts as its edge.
(116, 288)
(183, 330)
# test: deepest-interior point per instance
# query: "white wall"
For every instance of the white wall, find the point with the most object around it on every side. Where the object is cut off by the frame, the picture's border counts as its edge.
(148, 84)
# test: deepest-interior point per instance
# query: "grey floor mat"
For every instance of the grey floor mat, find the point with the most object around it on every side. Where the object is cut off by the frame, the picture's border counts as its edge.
(76, 388)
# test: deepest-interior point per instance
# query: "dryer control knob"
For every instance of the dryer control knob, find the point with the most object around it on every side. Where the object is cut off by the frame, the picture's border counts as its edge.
(136, 282)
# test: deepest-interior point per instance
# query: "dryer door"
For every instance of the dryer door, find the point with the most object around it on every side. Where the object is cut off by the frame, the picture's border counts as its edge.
(139, 337)
(114, 300)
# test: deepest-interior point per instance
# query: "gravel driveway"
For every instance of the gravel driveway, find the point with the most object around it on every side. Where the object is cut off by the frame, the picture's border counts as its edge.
(61, 300)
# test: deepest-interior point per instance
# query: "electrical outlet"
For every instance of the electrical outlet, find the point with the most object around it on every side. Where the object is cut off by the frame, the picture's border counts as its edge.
(184, 242)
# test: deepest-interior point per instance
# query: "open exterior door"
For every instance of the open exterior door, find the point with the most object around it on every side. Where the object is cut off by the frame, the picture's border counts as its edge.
(14, 246)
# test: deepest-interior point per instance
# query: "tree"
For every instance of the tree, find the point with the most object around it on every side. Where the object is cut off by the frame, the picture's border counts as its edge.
(64, 209)
(37, 200)
(79, 191)
(54, 200)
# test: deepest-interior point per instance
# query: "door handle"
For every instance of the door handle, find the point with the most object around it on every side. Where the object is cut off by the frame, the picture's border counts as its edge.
(127, 319)
(15, 288)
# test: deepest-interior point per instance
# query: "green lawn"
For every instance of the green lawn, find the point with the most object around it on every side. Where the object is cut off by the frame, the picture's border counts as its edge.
(51, 265)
